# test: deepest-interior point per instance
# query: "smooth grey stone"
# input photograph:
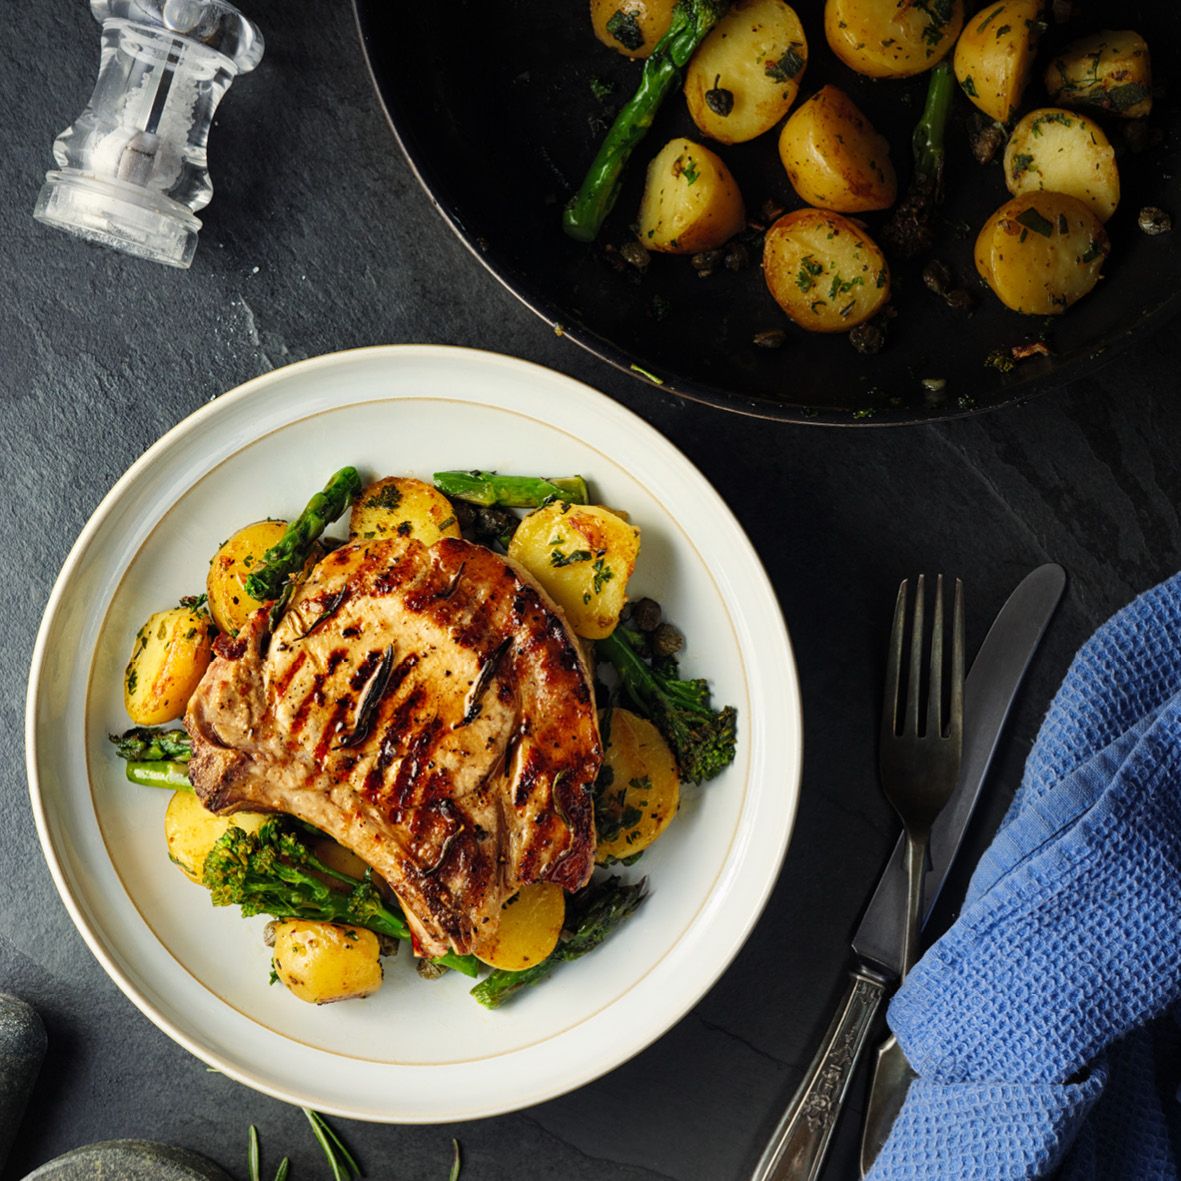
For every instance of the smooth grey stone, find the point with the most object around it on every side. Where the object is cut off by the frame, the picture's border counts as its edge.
(22, 1049)
(129, 1160)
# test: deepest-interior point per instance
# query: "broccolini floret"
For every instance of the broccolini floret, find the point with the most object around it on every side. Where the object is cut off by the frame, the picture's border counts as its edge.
(703, 739)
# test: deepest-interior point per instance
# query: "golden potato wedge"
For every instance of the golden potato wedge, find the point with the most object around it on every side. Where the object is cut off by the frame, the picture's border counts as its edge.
(690, 202)
(325, 962)
(1109, 71)
(631, 27)
(229, 604)
(1064, 152)
(892, 38)
(530, 923)
(994, 55)
(1041, 252)
(170, 655)
(190, 831)
(644, 790)
(400, 506)
(834, 158)
(583, 556)
(756, 54)
(824, 271)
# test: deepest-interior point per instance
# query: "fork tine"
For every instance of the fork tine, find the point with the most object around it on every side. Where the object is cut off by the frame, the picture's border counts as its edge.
(935, 684)
(916, 658)
(956, 721)
(894, 665)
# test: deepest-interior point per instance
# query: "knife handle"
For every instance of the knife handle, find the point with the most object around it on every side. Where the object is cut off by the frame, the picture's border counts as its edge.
(798, 1147)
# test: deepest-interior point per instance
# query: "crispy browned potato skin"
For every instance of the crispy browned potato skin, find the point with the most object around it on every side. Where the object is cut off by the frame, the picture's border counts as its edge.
(886, 39)
(168, 659)
(690, 202)
(652, 16)
(834, 158)
(747, 53)
(1041, 253)
(1109, 71)
(994, 55)
(824, 270)
(1064, 152)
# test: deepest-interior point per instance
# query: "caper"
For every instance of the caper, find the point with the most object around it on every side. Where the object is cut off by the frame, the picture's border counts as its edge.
(635, 255)
(719, 99)
(937, 277)
(772, 338)
(705, 262)
(646, 614)
(666, 641)
(495, 524)
(1154, 221)
(429, 970)
(869, 338)
(465, 515)
(737, 256)
(387, 945)
(960, 300)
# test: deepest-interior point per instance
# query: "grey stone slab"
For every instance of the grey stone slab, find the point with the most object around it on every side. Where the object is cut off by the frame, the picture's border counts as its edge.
(129, 1160)
(319, 239)
(22, 1050)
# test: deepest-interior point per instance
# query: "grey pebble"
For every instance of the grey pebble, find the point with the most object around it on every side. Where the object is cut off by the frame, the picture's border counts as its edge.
(129, 1160)
(22, 1048)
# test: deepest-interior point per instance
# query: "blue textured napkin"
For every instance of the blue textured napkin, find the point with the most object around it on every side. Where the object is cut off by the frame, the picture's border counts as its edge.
(1038, 1024)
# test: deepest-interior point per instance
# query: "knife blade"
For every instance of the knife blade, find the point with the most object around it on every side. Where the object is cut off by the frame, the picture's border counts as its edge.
(798, 1146)
(989, 691)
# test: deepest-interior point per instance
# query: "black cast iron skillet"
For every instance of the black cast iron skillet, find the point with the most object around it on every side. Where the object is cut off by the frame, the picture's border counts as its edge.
(493, 105)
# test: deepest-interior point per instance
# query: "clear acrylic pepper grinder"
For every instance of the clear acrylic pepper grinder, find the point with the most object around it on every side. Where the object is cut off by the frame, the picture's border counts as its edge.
(132, 169)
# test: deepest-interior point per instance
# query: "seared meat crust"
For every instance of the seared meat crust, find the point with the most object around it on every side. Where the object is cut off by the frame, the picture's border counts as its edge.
(427, 708)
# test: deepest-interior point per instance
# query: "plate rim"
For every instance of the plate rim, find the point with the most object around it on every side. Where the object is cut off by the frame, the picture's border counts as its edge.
(1011, 395)
(110, 503)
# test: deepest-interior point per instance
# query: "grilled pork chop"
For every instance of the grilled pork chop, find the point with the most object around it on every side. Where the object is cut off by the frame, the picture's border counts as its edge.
(427, 708)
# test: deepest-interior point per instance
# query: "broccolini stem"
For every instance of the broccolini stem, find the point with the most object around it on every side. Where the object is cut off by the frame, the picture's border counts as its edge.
(594, 913)
(588, 208)
(150, 744)
(289, 553)
(929, 133)
(160, 773)
(487, 488)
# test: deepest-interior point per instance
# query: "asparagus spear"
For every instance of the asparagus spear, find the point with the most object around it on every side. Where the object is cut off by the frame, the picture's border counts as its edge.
(588, 208)
(160, 773)
(150, 744)
(488, 488)
(911, 229)
(289, 553)
(592, 915)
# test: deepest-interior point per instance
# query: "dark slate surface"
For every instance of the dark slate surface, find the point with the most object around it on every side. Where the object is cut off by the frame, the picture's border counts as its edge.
(318, 239)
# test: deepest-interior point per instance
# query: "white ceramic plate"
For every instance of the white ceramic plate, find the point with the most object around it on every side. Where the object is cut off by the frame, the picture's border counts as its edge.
(415, 1052)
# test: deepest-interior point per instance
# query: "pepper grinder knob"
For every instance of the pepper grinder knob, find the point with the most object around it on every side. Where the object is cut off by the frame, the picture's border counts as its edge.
(132, 168)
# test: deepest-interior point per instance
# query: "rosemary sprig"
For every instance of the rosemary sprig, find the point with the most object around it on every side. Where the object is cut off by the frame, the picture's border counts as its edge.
(344, 1167)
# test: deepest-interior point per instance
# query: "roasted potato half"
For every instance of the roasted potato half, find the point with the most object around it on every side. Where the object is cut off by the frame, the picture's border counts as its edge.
(690, 202)
(631, 27)
(1041, 252)
(834, 158)
(747, 73)
(891, 38)
(644, 790)
(824, 271)
(1064, 152)
(190, 831)
(530, 923)
(169, 656)
(583, 556)
(994, 55)
(325, 962)
(229, 604)
(400, 506)
(1109, 71)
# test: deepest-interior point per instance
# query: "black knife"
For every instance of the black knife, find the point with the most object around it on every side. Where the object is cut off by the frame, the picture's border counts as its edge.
(797, 1148)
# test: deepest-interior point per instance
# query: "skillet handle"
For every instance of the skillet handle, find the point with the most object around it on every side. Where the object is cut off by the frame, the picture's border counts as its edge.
(798, 1147)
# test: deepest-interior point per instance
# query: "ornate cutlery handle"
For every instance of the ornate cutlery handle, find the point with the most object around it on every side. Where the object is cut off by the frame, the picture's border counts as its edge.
(798, 1147)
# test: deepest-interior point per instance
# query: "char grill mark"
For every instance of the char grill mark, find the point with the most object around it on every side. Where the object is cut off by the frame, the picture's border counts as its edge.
(459, 770)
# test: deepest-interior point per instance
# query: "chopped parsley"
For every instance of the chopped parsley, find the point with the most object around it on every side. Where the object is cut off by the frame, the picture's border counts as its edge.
(625, 28)
(1032, 220)
(389, 497)
(844, 286)
(788, 66)
(689, 171)
(558, 559)
(1022, 162)
(602, 574)
(969, 86)
(1094, 251)
(601, 88)
(1052, 117)
(809, 269)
